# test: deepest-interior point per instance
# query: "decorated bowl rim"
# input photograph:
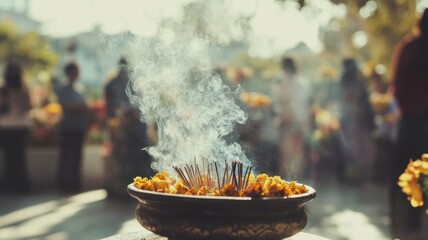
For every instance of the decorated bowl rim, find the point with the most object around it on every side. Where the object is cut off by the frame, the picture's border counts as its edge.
(308, 195)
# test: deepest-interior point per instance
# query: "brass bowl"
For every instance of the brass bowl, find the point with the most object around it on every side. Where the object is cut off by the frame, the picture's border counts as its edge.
(217, 217)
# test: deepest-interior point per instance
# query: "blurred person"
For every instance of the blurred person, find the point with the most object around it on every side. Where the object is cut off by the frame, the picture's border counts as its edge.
(291, 104)
(357, 124)
(115, 91)
(73, 127)
(410, 81)
(128, 135)
(386, 118)
(15, 123)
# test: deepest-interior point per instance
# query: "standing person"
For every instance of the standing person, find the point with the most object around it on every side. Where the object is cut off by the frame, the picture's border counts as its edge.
(15, 122)
(410, 81)
(128, 134)
(291, 103)
(115, 91)
(357, 123)
(73, 127)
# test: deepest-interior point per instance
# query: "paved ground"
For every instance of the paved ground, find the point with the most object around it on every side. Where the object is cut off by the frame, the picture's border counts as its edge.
(347, 212)
(338, 212)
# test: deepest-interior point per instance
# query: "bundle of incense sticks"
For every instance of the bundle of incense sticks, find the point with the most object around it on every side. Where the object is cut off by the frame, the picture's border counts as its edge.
(209, 176)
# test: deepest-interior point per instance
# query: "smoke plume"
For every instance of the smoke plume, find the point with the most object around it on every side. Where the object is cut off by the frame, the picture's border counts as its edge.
(173, 84)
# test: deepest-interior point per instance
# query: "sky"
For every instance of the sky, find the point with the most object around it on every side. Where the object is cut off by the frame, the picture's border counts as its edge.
(64, 18)
(274, 26)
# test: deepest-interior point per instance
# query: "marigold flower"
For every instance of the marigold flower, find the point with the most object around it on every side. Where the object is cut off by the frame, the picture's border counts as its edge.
(261, 185)
(409, 180)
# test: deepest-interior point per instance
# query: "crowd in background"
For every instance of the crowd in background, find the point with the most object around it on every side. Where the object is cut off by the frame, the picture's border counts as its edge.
(126, 137)
(310, 127)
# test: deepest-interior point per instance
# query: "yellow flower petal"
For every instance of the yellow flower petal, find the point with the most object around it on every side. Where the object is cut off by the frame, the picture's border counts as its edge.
(405, 177)
(417, 164)
(403, 184)
(407, 190)
(416, 203)
(425, 165)
(416, 195)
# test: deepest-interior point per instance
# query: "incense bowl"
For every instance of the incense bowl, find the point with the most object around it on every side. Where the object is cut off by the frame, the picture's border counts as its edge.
(183, 217)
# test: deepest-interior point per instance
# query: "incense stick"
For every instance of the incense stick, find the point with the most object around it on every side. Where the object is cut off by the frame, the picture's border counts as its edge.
(207, 175)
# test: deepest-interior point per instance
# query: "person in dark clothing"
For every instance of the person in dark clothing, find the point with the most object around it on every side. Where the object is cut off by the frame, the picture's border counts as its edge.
(128, 135)
(410, 84)
(73, 128)
(15, 123)
(115, 91)
(357, 124)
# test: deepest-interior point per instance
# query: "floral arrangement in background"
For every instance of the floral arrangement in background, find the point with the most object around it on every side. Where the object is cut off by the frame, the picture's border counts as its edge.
(326, 124)
(381, 101)
(414, 182)
(45, 119)
(98, 113)
(255, 100)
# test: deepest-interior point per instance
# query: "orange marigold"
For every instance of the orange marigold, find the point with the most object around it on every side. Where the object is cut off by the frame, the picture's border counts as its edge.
(409, 180)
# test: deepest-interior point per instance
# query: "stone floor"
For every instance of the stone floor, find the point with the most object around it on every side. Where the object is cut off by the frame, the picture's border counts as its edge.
(343, 212)
(339, 212)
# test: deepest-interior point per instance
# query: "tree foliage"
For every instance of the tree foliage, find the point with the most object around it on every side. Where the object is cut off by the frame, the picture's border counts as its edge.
(356, 3)
(31, 49)
(390, 21)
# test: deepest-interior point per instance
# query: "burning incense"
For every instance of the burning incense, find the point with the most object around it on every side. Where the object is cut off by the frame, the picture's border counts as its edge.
(209, 177)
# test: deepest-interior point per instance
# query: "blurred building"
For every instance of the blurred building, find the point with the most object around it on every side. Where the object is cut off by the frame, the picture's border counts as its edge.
(82, 48)
(93, 52)
(16, 11)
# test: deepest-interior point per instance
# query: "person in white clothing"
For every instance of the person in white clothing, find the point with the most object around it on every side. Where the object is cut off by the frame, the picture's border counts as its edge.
(15, 106)
(291, 104)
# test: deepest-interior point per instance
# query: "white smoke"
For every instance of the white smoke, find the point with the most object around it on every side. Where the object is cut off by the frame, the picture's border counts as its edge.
(173, 84)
